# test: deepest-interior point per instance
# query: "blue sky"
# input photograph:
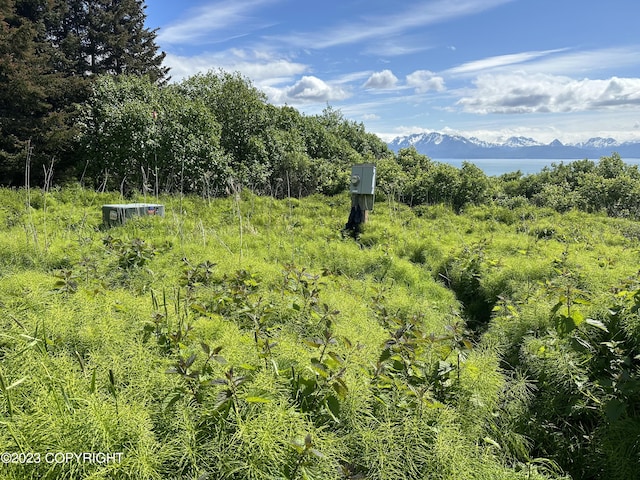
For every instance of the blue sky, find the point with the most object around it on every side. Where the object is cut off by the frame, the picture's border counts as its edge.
(547, 69)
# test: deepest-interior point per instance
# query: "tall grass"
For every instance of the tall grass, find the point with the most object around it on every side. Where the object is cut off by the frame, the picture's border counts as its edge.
(246, 337)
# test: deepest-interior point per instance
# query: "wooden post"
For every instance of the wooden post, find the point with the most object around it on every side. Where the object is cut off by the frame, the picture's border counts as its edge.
(364, 202)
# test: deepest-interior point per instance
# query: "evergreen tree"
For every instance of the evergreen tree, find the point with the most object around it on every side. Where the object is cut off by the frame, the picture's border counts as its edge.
(118, 42)
(50, 53)
(23, 83)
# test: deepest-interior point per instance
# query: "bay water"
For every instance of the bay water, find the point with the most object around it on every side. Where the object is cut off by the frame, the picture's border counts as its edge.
(498, 166)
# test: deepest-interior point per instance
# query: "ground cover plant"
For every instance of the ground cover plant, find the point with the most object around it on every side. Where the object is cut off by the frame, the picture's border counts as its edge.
(248, 337)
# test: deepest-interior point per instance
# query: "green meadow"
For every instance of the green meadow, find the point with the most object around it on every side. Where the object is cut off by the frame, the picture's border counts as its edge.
(251, 338)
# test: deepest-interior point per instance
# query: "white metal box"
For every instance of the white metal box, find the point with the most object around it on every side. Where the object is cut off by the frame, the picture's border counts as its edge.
(117, 214)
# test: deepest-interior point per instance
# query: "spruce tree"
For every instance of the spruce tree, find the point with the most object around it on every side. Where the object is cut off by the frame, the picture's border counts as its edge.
(50, 53)
(122, 44)
(23, 84)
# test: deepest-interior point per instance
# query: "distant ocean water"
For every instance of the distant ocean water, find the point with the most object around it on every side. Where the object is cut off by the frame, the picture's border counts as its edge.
(497, 166)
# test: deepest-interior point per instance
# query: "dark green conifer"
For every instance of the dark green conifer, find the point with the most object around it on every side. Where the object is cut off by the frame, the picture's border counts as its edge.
(50, 52)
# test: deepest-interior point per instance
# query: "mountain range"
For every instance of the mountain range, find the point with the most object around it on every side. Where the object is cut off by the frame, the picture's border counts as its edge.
(440, 145)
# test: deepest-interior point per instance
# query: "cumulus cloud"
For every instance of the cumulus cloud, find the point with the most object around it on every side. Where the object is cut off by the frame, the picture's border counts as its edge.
(521, 93)
(267, 72)
(424, 81)
(381, 80)
(308, 89)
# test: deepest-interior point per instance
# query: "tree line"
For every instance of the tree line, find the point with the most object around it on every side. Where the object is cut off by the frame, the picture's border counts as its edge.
(212, 133)
(607, 185)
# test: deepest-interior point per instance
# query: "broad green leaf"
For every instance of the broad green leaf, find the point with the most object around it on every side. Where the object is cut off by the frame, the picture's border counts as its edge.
(334, 360)
(298, 445)
(557, 306)
(333, 406)
(577, 317)
(319, 368)
(316, 453)
(340, 387)
(314, 343)
(171, 399)
(581, 301)
(190, 360)
(220, 359)
(237, 381)
(385, 355)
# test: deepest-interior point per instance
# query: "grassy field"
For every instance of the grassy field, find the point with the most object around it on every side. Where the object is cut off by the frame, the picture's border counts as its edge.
(248, 338)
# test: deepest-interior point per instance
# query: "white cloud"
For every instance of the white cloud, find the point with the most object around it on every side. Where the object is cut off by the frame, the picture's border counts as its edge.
(375, 28)
(308, 89)
(541, 93)
(351, 77)
(391, 49)
(587, 62)
(560, 61)
(381, 80)
(211, 17)
(424, 81)
(499, 61)
(260, 67)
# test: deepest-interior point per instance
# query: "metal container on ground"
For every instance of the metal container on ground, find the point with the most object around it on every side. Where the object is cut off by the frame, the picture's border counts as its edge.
(117, 214)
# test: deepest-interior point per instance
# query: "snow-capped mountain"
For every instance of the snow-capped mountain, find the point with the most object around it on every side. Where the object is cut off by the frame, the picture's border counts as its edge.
(441, 145)
(516, 142)
(599, 142)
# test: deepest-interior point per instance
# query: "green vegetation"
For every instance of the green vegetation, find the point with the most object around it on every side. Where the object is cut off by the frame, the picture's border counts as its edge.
(212, 134)
(475, 328)
(215, 134)
(51, 52)
(245, 337)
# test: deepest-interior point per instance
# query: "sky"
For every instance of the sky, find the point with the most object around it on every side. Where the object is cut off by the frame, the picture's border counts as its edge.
(492, 69)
